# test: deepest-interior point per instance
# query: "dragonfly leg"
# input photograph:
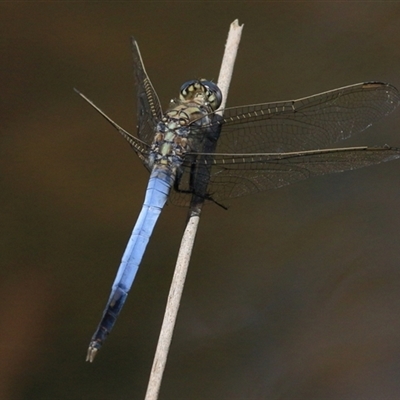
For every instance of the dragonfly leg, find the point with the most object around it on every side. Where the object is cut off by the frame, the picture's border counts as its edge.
(206, 196)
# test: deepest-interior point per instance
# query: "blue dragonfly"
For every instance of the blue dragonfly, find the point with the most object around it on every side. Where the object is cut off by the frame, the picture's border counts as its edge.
(261, 146)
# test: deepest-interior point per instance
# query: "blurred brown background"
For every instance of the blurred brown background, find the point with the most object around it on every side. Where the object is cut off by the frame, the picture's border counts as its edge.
(291, 294)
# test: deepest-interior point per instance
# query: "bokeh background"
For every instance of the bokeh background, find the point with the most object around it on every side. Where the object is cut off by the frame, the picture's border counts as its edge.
(291, 294)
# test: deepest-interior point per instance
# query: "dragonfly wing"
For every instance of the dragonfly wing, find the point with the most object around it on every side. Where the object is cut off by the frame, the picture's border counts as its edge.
(149, 110)
(237, 175)
(312, 122)
(141, 148)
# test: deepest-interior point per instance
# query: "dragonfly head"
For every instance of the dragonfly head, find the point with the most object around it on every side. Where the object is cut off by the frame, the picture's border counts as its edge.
(201, 89)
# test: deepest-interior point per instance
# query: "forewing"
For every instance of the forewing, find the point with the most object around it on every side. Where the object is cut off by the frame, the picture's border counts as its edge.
(312, 122)
(149, 110)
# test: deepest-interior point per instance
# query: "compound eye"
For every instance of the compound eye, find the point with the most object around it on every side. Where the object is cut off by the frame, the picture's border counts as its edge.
(213, 93)
(184, 88)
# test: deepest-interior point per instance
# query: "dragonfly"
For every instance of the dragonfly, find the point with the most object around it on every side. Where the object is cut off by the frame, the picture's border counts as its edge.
(195, 155)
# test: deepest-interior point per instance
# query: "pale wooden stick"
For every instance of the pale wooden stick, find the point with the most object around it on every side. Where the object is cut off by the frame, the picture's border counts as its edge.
(228, 61)
(189, 236)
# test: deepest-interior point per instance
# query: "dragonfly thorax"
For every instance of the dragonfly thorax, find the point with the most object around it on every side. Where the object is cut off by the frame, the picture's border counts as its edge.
(170, 141)
(183, 127)
(180, 130)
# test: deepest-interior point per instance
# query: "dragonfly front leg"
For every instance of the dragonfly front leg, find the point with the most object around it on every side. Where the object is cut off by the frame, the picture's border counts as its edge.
(178, 180)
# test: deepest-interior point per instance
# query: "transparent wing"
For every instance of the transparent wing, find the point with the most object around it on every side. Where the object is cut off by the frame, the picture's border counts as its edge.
(258, 173)
(141, 148)
(312, 122)
(149, 110)
(234, 175)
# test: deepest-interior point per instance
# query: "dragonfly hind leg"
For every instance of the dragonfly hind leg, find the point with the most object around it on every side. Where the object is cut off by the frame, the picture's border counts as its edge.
(193, 192)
